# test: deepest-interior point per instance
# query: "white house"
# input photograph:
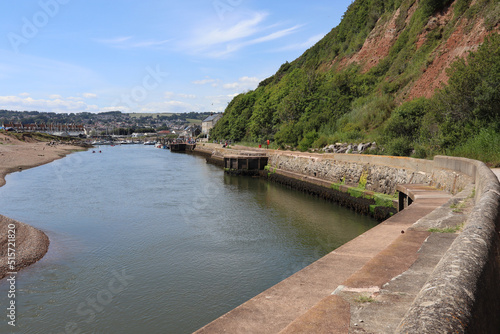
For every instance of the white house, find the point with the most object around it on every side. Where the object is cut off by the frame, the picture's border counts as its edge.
(209, 123)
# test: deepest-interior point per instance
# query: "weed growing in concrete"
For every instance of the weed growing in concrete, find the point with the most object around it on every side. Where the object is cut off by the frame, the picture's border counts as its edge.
(364, 299)
(452, 229)
(363, 180)
(458, 207)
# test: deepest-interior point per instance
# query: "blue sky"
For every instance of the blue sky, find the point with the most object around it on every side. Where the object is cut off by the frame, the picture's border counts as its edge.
(149, 56)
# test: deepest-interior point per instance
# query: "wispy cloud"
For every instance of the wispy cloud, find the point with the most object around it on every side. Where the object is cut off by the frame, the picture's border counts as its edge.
(213, 36)
(116, 40)
(89, 95)
(220, 39)
(243, 83)
(301, 46)
(230, 48)
(171, 95)
(130, 42)
(204, 81)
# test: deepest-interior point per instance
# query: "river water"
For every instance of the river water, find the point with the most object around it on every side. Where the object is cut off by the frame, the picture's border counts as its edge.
(148, 241)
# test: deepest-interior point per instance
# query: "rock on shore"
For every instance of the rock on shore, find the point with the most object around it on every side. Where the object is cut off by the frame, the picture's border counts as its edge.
(30, 245)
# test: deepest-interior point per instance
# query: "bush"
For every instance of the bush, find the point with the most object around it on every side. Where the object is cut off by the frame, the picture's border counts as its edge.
(308, 140)
(406, 119)
(321, 142)
(401, 146)
(485, 147)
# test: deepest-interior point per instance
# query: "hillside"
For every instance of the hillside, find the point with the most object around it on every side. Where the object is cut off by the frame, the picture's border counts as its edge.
(418, 77)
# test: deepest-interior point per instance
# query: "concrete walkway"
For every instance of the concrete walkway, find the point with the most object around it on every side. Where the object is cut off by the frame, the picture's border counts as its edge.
(327, 296)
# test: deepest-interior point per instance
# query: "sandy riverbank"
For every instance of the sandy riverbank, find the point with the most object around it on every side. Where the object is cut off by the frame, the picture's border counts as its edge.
(31, 244)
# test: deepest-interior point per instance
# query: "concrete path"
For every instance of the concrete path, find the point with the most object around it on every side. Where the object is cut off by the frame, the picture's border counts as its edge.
(316, 299)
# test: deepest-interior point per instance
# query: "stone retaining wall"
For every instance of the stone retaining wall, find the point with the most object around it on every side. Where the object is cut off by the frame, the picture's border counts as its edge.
(382, 173)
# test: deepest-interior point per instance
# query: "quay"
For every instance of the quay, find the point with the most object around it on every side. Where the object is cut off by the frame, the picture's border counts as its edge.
(432, 267)
(182, 147)
(245, 163)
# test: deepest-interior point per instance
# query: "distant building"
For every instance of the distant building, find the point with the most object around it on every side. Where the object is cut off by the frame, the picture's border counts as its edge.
(164, 132)
(209, 123)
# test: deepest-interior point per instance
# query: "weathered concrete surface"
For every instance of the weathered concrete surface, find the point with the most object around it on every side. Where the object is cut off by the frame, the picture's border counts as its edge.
(330, 315)
(456, 286)
(463, 293)
(295, 297)
(391, 302)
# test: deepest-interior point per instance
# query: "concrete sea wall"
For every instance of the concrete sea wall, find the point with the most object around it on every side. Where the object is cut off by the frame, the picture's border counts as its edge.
(462, 294)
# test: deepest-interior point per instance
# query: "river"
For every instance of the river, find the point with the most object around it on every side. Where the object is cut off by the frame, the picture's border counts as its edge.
(148, 241)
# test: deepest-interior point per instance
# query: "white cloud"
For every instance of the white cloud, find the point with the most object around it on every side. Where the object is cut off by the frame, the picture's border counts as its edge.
(217, 35)
(219, 40)
(55, 96)
(57, 105)
(116, 40)
(149, 43)
(230, 48)
(204, 81)
(24, 94)
(89, 95)
(170, 95)
(243, 83)
(187, 96)
(129, 42)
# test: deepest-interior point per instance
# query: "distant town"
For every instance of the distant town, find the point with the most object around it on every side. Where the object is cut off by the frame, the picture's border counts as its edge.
(85, 124)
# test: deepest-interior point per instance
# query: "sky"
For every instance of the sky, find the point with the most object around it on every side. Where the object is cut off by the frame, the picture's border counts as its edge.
(150, 56)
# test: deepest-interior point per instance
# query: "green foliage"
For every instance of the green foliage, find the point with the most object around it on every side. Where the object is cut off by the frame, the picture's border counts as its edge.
(461, 6)
(484, 146)
(402, 130)
(308, 140)
(364, 299)
(363, 179)
(384, 200)
(453, 229)
(356, 192)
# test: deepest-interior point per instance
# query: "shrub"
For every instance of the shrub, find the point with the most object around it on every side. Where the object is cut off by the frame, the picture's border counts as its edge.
(484, 146)
(308, 140)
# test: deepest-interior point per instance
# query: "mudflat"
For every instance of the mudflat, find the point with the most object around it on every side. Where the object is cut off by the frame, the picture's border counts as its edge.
(27, 243)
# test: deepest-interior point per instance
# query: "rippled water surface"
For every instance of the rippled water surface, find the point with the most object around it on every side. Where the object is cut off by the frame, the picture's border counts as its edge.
(147, 241)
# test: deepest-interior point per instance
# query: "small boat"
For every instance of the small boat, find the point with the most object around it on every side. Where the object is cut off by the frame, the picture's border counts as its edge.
(149, 142)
